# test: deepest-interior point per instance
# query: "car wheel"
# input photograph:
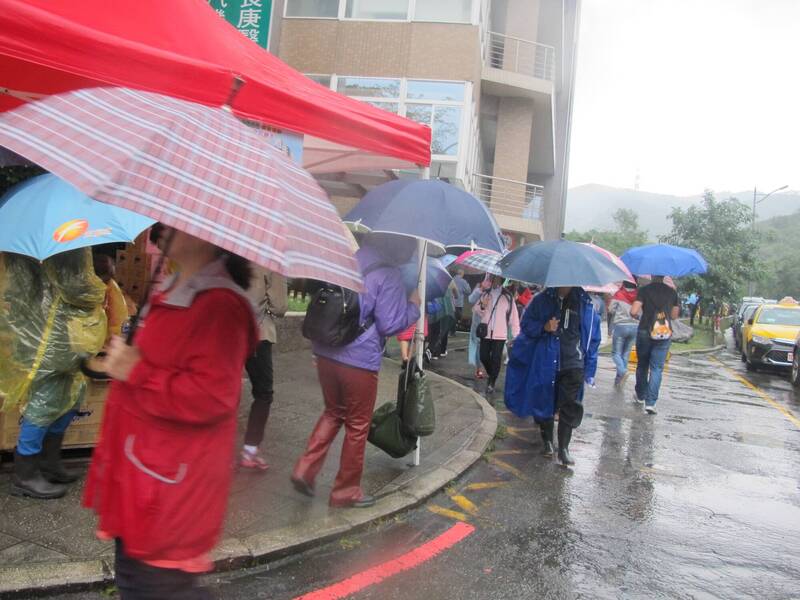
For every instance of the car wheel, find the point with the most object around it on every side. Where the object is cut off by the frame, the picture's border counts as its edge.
(743, 357)
(751, 366)
(795, 374)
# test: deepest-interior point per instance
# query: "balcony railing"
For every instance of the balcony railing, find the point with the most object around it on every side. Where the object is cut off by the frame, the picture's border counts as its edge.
(508, 197)
(520, 56)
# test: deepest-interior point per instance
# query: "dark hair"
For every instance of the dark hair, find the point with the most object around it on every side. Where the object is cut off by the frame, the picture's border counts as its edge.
(239, 269)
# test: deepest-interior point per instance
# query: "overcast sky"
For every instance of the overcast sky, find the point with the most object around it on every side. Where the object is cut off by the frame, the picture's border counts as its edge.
(693, 94)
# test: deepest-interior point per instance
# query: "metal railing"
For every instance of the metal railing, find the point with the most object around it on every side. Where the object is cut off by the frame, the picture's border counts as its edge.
(508, 197)
(510, 53)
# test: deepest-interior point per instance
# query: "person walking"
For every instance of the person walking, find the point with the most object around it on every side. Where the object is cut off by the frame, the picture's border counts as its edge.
(161, 473)
(498, 314)
(473, 352)
(551, 360)
(446, 324)
(268, 293)
(461, 291)
(656, 306)
(694, 306)
(624, 330)
(348, 374)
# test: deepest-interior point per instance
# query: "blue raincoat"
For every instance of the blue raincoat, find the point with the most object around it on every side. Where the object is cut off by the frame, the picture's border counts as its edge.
(530, 387)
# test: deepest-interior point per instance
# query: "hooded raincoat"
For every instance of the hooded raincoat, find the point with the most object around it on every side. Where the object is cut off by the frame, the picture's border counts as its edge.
(530, 388)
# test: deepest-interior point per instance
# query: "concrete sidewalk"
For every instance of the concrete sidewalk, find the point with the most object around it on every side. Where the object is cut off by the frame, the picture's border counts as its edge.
(50, 545)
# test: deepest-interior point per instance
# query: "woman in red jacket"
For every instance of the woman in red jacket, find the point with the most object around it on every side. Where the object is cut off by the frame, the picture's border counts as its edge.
(161, 473)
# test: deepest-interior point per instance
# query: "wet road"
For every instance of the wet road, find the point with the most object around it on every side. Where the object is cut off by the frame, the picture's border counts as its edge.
(700, 501)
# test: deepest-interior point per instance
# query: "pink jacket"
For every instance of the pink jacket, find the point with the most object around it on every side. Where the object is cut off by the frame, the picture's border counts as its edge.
(498, 330)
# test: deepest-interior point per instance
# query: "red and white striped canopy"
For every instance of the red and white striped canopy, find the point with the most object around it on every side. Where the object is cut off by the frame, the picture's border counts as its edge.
(189, 166)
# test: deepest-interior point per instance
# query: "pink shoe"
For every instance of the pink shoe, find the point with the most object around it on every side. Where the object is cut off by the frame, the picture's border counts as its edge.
(248, 460)
(479, 374)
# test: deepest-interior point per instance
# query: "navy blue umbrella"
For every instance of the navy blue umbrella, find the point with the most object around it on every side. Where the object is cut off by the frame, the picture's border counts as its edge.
(436, 282)
(560, 263)
(664, 259)
(430, 210)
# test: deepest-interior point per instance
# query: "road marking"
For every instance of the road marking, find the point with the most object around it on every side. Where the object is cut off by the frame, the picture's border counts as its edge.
(509, 452)
(446, 512)
(465, 503)
(521, 429)
(407, 561)
(507, 467)
(748, 384)
(489, 485)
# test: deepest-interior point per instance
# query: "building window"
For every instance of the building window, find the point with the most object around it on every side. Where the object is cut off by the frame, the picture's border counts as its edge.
(320, 79)
(395, 10)
(312, 8)
(437, 104)
(448, 11)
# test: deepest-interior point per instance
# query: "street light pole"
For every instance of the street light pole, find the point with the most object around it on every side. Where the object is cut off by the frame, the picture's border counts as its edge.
(756, 200)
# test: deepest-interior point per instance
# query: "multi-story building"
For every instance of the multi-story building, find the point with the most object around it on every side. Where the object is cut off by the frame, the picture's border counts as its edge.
(493, 78)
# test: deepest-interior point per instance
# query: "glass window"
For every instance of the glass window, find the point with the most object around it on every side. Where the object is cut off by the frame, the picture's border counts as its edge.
(451, 11)
(312, 8)
(321, 79)
(371, 87)
(446, 126)
(435, 90)
(421, 113)
(392, 107)
(377, 9)
(779, 316)
(443, 169)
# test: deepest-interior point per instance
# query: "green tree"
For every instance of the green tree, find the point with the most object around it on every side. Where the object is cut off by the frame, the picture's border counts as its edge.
(625, 234)
(722, 232)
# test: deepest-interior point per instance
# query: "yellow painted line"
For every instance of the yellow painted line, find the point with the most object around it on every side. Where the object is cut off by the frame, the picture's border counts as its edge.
(510, 452)
(514, 434)
(446, 512)
(750, 385)
(507, 467)
(521, 429)
(465, 503)
(489, 485)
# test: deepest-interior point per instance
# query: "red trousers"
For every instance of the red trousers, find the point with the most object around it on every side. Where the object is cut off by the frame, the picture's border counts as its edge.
(349, 395)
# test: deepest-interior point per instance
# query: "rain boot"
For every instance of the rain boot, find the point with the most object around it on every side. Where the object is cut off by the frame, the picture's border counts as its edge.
(546, 429)
(50, 461)
(28, 480)
(564, 437)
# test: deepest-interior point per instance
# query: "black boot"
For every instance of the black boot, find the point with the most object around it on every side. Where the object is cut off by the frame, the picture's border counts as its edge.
(547, 438)
(28, 481)
(50, 462)
(564, 437)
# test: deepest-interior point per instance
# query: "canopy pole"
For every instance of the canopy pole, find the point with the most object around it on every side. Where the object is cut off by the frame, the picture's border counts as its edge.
(419, 334)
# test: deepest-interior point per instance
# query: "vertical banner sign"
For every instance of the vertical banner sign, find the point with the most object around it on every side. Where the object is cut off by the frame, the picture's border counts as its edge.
(251, 17)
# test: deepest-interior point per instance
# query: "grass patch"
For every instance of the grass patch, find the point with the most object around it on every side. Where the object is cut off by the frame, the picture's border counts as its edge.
(298, 304)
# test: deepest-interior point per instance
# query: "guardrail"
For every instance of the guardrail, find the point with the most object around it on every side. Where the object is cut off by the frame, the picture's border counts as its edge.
(508, 197)
(526, 57)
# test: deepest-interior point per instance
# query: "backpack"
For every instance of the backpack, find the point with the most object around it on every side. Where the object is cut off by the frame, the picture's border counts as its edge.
(662, 328)
(333, 317)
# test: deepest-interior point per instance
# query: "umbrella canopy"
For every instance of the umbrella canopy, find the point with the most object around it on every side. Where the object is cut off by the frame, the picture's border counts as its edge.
(192, 167)
(664, 259)
(430, 210)
(480, 261)
(45, 215)
(610, 288)
(185, 50)
(560, 263)
(436, 281)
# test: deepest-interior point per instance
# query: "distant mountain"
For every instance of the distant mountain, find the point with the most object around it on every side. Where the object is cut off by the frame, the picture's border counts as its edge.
(591, 206)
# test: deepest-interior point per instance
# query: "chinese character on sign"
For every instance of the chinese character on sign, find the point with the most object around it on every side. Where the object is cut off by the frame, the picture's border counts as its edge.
(221, 12)
(249, 3)
(251, 34)
(249, 17)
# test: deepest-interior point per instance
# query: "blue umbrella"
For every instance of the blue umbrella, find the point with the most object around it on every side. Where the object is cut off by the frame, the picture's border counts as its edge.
(429, 210)
(560, 263)
(46, 215)
(437, 278)
(664, 259)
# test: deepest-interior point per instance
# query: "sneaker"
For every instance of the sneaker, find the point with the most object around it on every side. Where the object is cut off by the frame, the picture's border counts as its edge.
(428, 354)
(650, 409)
(443, 354)
(251, 460)
(617, 381)
(435, 357)
(636, 399)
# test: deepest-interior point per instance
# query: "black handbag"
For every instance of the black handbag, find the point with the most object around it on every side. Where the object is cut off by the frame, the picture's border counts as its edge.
(386, 432)
(418, 414)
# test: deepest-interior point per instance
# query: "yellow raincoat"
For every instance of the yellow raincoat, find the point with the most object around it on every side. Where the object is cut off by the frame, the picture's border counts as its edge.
(51, 314)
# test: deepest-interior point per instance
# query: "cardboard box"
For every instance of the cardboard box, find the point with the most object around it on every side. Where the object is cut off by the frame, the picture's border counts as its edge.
(82, 432)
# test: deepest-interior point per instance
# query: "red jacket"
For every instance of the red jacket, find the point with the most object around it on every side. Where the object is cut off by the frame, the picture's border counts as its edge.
(161, 473)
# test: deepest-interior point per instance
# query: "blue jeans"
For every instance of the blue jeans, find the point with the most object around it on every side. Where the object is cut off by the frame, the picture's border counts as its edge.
(652, 354)
(622, 342)
(31, 436)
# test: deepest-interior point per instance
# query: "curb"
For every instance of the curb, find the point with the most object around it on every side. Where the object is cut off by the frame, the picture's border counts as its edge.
(238, 553)
(710, 350)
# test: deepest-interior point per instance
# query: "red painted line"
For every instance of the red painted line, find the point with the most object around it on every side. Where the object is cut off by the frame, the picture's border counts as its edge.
(407, 561)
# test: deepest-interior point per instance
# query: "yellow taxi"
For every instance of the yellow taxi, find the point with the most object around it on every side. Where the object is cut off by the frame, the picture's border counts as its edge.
(769, 335)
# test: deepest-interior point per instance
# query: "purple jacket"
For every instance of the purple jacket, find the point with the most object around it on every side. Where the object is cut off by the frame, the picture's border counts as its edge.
(386, 300)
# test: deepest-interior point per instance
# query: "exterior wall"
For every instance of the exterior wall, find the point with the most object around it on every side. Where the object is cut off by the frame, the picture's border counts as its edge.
(377, 49)
(513, 142)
